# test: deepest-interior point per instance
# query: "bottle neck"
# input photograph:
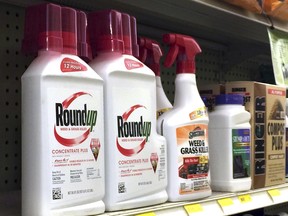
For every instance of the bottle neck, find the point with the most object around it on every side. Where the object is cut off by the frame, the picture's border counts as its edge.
(186, 90)
(48, 52)
(109, 53)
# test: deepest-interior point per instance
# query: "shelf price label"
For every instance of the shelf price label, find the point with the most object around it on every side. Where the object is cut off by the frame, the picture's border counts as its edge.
(245, 198)
(274, 194)
(193, 208)
(225, 202)
(147, 214)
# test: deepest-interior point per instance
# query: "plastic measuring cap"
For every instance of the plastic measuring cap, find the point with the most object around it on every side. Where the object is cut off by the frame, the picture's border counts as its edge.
(82, 37)
(69, 30)
(105, 31)
(225, 99)
(43, 29)
(183, 50)
(135, 47)
(126, 28)
(150, 54)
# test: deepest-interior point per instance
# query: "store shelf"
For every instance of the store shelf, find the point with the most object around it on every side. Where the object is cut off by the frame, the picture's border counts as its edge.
(208, 19)
(210, 206)
(219, 204)
(218, 25)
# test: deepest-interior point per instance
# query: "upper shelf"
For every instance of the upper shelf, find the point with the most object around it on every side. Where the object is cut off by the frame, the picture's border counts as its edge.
(211, 20)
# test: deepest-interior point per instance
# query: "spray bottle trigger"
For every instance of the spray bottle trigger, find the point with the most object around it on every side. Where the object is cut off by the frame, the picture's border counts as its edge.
(171, 56)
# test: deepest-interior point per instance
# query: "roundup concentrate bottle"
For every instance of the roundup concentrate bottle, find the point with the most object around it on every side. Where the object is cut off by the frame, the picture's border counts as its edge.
(135, 153)
(150, 54)
(185, 126)
(62, 120)
(229, 142)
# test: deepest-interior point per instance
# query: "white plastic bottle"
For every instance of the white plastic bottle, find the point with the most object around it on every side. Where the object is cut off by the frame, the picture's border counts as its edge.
(62, 120)
(229, 144)
(135, 153)
(150, 54)
(185, 126)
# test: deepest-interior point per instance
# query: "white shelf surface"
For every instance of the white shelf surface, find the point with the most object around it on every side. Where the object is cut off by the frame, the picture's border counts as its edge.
(231, 203)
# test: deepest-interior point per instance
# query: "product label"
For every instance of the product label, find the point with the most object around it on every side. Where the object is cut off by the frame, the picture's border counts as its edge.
(162, 111)
(198, 113)
(140, 159)
(259, 136)
(275, 130)
(76, 149)
(241, 153)
(132, 135)
(131, 64)
(279, 52)
(193, 160)
(71, 65)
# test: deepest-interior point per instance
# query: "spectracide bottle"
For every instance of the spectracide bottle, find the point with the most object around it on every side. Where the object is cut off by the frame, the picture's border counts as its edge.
(229, 144)
(135, 153)
(185, 126)
(150, 54)
(62, 120)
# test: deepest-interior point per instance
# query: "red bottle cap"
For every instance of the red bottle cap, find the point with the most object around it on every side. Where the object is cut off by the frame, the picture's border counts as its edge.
(43, 29)
(135, 47)
(105, 29)
(150, 54)
(126, 28)
(69, 30)
(82, 36)
(185, 48)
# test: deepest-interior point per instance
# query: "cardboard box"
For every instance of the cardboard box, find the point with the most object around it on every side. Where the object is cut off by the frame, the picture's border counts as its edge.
(209, 92)
(266, 103)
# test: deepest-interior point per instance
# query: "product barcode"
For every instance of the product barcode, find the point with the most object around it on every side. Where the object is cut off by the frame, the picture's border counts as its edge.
(121, 187)
(56, 193)
(80, 191)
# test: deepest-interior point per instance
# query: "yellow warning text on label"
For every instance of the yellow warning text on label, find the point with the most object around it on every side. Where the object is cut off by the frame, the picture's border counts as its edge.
(198, 113)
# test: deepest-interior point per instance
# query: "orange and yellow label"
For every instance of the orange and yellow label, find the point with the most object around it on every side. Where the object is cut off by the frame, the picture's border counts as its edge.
(193, 166)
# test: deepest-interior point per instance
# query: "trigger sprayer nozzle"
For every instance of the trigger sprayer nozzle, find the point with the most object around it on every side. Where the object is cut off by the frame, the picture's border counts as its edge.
(150, 54)
(183, 50)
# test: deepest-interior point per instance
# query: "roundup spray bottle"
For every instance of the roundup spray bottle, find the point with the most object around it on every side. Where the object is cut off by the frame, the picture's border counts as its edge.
(150, 54)
(185, 125)
(135, 153)
(62, 120)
